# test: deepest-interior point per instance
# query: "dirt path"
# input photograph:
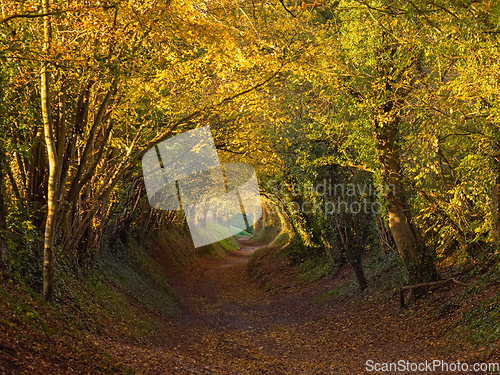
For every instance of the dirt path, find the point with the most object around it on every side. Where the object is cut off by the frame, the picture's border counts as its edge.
(229, 325)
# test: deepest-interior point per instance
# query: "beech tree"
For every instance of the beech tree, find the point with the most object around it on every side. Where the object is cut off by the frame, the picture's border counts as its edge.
(354, 77)
(403, 90)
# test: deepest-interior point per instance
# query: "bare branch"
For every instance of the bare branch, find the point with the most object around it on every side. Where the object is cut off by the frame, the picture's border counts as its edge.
(28, 15)
(288, 10)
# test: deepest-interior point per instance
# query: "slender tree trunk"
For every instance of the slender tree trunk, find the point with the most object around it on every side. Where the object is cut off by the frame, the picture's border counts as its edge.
(418, 260)
(37, 179)
(495, 195)
(383, 235)
(4, 250)
(354, 261)
(48, 256)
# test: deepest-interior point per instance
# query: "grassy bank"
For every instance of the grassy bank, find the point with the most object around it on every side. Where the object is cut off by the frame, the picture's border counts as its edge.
(120, 298)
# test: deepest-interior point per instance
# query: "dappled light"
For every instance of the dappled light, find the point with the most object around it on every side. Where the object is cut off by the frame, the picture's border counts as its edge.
(241, 187)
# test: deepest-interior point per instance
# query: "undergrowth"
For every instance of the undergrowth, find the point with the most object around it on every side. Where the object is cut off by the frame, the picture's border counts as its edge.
(315, 269)
(38, 338)
(140, 277)
(383, 274)
(478, 328)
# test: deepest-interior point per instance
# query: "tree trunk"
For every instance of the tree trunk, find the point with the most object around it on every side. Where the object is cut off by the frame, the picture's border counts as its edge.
(418, 260)
(383, 235)
(354, 261)
(48, 256)
(4, 250)
(495, 195)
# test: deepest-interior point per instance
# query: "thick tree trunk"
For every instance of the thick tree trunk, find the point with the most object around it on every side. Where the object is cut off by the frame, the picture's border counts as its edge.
(418, 260)
(48, 256)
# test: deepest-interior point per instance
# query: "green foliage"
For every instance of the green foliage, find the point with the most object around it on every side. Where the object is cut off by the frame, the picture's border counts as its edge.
(257, 257)
(265, 234)
(325, 298)
(25, 242)
(24, 308)
(271, 226)
(282, 239)
(243, 233)
(297, 252)
(96, 305)
(383, 273)
(315, 269)
(28, 320)
(171, 247)
(137, 274)
(479, 326)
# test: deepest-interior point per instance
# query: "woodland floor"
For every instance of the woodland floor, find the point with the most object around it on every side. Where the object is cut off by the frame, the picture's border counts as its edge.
(229, 325)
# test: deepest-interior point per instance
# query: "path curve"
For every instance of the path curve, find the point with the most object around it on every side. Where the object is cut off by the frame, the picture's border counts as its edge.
(229, 325)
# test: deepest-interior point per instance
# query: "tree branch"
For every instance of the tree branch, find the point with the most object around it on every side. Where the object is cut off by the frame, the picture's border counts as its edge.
(431, 283)
(27, 15)
(288, 10)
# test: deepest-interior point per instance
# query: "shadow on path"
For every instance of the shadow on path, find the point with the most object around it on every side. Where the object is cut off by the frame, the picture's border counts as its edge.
(229, 325)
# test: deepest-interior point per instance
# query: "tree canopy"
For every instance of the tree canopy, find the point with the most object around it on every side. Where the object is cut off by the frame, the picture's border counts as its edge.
(386, 93)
